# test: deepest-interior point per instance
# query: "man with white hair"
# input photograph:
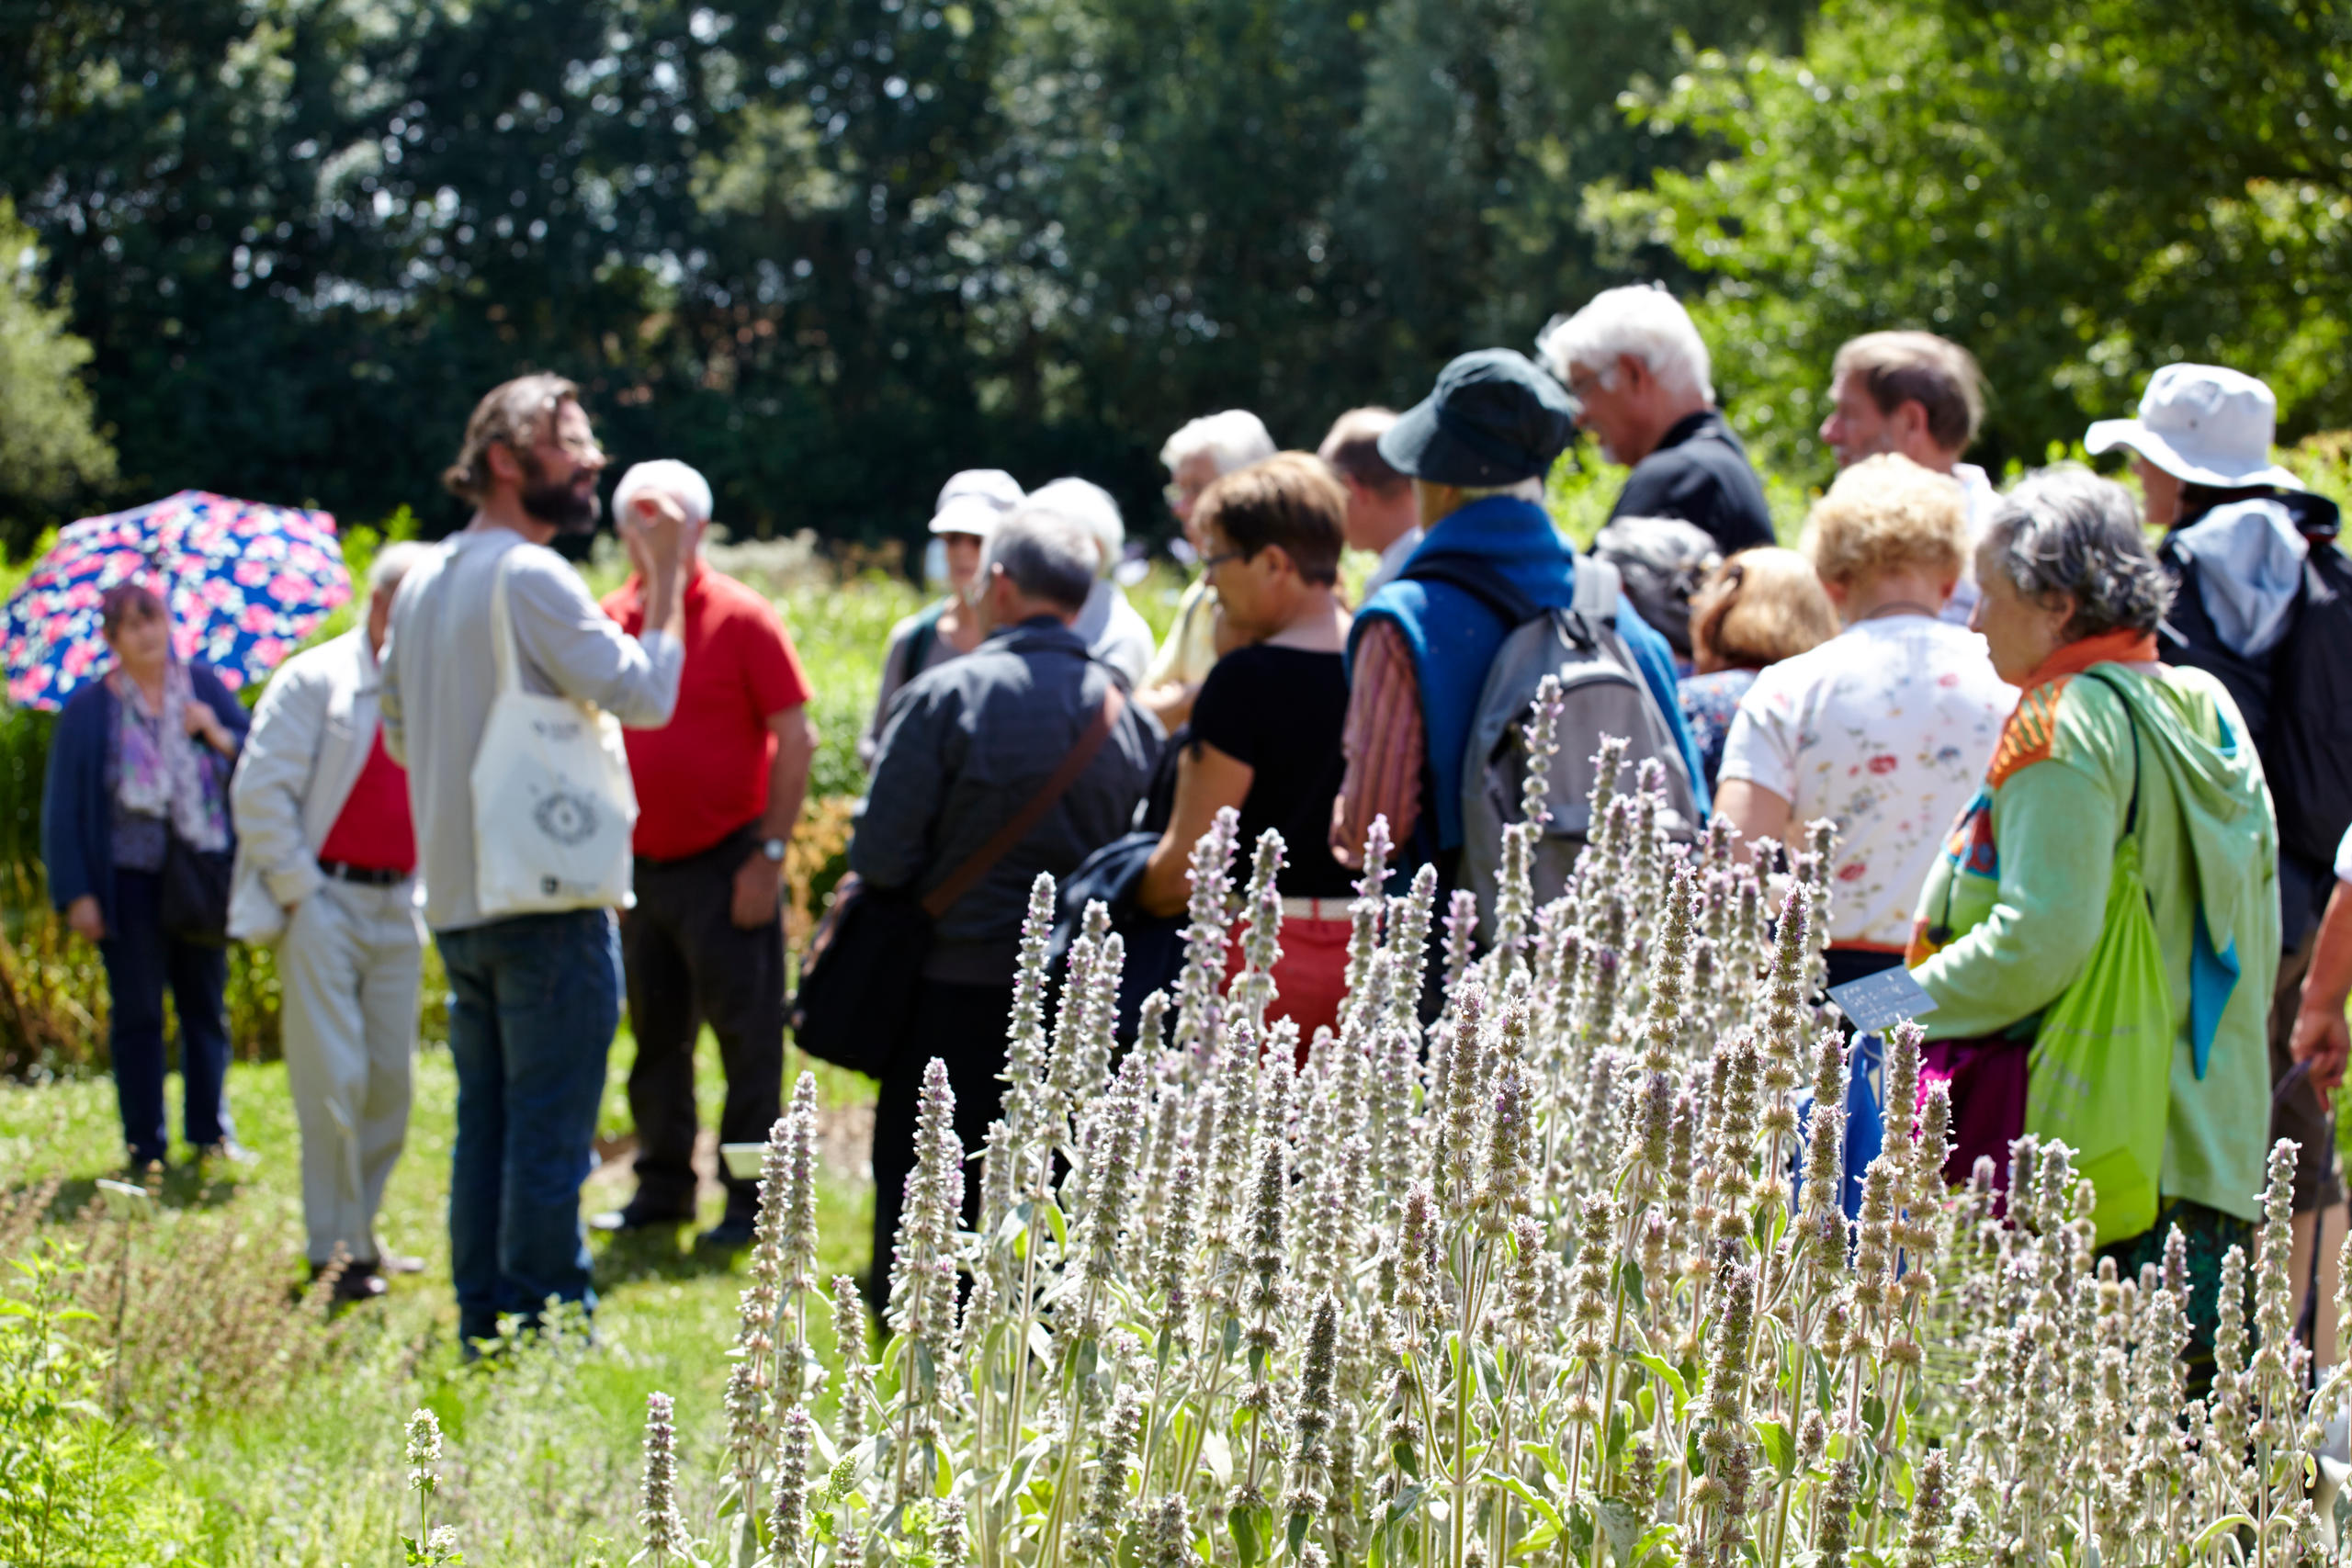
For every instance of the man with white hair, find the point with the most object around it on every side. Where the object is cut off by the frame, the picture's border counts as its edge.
(718, 788)
(326, 871)
(969, 803)
(1198, 455)
(1115, 632)
(1641, 377)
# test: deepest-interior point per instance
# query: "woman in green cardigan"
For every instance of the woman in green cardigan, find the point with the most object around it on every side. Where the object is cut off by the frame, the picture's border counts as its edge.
(2015, 904)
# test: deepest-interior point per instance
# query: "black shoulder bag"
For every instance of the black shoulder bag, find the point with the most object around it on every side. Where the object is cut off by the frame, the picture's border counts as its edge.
(856, 989)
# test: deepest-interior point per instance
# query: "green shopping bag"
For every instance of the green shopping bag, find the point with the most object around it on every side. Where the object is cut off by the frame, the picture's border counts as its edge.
(2099, 1076)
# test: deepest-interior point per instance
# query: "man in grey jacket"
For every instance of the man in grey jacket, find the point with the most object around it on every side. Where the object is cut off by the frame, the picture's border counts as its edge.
(967, 744)
(326, 871)
(533, 998)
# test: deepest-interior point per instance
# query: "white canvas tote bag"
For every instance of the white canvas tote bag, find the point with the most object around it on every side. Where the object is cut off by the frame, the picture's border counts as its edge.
(553, 805)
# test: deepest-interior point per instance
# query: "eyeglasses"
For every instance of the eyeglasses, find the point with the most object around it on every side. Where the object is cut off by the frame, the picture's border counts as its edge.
(1210, 563)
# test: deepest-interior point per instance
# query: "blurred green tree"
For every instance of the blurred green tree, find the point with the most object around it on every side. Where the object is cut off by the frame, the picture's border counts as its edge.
(50, 448)
(2079, 190)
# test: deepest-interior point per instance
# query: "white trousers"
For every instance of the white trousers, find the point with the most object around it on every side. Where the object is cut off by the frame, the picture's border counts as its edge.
(349, 968)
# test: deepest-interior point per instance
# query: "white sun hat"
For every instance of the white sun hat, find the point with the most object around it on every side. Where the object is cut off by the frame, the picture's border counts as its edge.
(975, 502)
(2204, 423)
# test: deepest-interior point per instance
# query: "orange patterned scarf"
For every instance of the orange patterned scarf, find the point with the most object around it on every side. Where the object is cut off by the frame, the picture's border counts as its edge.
(2026, 738)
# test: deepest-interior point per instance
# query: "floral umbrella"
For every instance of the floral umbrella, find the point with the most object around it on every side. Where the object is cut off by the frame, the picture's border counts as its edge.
(245, 583)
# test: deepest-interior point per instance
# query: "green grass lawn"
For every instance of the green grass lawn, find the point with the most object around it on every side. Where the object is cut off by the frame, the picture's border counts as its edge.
(543, 1453)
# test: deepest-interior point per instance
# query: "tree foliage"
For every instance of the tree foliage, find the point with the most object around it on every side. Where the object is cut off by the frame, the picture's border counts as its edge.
(827, 249)
(50, 445)
(2080, 190)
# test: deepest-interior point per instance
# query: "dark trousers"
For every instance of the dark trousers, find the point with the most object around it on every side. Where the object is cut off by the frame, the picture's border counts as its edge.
(964, 1026)
(141, 961)
(688, 962)
(533, 999)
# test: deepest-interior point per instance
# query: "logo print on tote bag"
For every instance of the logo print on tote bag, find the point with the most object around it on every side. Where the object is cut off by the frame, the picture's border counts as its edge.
(565, 816)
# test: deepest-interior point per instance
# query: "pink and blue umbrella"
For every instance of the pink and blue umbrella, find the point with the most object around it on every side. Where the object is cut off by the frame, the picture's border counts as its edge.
(245, 584)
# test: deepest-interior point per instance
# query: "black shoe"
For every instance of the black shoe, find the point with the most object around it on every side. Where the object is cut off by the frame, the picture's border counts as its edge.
(636, 1217)
(359, 1282)
(731, 1235)
(356, 1286)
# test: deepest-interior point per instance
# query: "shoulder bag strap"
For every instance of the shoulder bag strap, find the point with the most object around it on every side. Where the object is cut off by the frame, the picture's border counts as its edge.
(2131, 812)
(920, 640)
(1597, 585)
(503, 655)
(960, 881)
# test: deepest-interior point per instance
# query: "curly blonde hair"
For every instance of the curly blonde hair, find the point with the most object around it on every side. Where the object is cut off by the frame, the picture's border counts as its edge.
(1885, 515)
(511, 414)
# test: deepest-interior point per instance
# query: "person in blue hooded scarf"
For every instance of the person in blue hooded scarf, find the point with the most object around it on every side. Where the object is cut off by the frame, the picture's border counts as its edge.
(1477, 449)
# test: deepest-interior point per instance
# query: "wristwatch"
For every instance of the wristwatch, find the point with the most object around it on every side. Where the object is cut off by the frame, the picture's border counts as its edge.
(773, 850)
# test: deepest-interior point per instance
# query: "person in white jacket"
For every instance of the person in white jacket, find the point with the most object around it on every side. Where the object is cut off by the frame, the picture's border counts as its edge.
(326, 871)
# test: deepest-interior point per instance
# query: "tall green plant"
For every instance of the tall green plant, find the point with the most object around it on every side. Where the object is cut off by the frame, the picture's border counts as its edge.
(76, 1489)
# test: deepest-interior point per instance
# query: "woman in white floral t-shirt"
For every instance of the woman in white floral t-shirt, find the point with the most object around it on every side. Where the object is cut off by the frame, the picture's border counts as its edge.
(1885, 730)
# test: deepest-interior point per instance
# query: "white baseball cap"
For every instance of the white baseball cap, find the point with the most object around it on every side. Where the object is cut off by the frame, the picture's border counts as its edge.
(2204, 423)
(975, 502)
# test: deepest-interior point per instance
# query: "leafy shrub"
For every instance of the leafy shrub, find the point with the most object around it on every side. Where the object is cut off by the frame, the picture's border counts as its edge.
(77, 1489)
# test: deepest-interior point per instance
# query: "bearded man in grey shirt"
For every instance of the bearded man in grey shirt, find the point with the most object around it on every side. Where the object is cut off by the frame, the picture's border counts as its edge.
(533, 998)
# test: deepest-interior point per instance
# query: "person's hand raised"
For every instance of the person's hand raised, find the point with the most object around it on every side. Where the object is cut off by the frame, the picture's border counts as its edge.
(661, 528)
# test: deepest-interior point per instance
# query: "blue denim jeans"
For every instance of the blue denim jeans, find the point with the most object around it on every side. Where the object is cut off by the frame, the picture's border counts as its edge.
(533, 1003)
(140, 962)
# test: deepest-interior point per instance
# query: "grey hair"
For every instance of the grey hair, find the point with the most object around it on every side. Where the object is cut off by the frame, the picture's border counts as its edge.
(1047, 555)
(1085, 502)
(1641, 320)
(1234, 438)
(393, 562)
(2064, 530)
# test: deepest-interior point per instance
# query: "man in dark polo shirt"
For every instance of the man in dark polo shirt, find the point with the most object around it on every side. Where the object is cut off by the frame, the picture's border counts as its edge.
(718, 788)
(1640, 375)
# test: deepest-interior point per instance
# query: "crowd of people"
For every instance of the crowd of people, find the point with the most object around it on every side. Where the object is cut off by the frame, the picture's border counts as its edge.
(2018, 717)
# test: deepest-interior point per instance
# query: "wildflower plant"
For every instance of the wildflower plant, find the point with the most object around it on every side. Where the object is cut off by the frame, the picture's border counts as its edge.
(1563, 1277)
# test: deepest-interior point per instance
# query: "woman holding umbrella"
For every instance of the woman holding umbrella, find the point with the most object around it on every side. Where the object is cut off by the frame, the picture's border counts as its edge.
(141, 757)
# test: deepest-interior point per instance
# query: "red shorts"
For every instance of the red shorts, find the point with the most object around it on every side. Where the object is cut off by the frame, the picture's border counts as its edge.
(1309, 980)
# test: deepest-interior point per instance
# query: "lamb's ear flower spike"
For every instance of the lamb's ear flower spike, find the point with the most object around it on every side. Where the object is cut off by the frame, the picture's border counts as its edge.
(787, 1517)
(659, 1516)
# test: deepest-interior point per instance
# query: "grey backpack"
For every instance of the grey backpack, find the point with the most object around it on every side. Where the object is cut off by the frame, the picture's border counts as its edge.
(1603, 693)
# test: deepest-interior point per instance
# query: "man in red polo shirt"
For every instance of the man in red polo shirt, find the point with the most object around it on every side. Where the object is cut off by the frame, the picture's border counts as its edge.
(717, 790)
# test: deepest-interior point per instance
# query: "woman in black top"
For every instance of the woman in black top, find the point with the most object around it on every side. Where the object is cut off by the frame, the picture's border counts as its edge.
(1266, 725)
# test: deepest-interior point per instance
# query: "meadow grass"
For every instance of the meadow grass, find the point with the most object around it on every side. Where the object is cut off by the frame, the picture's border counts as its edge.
(312, 1472)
